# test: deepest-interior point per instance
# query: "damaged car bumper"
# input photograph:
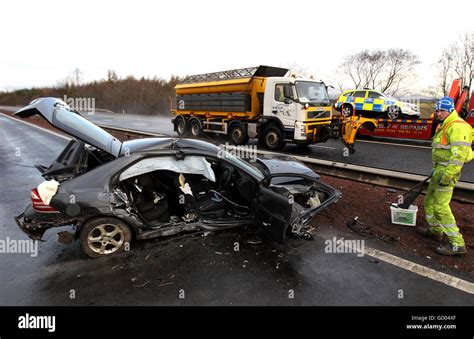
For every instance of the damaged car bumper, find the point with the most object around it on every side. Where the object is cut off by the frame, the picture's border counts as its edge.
(34, 225)
(300, 223)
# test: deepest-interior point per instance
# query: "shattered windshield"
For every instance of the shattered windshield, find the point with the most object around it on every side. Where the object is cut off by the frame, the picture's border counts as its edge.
(309, 91)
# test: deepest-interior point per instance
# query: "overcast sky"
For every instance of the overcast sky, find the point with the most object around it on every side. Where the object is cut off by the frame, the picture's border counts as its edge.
(43, 41)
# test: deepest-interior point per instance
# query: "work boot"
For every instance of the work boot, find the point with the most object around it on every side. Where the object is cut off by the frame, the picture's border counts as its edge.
(427, 232)
(450, 249)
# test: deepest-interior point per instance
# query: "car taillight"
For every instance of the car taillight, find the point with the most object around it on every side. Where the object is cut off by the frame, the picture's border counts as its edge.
(38, 204)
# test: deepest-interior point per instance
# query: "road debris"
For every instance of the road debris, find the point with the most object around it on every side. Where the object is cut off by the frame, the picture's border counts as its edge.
(255, 241)
(168, 283)
(142, 285)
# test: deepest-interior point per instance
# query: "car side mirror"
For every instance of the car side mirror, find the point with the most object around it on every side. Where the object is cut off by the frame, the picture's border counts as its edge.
(288, 101)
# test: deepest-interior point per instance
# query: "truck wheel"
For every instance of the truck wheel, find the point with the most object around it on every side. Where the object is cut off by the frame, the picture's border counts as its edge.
(272, 138)
(104, 236)
(195, 128)
(181, 126)
(347, 110)
(237, 134)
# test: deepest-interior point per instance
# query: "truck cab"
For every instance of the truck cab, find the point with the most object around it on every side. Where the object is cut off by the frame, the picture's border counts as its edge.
(299, 105)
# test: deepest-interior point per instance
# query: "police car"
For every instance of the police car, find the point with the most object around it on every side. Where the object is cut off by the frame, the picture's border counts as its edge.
(374, 103)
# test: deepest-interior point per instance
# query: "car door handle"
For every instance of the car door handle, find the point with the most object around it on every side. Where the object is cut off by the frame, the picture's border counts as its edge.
(274, 111)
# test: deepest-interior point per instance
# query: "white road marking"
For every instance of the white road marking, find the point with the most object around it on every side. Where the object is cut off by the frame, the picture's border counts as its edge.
(35, 126)
(392, 144)
(328, 147)
(424, 271)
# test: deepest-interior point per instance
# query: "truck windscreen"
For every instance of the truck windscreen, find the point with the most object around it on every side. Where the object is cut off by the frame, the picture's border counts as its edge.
(311, 92)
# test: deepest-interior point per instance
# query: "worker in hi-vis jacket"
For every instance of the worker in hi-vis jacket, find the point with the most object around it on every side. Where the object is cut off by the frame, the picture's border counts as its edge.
(451, 149)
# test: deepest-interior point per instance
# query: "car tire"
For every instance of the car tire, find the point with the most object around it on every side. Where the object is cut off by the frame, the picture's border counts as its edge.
(104, 237)
(195, 128)
(237, 134)
(272, 138)
(347, 110)
(181, 126)
(393, 112)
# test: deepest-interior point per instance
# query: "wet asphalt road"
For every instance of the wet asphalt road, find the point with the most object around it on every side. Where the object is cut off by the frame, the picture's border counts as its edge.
(192, 270)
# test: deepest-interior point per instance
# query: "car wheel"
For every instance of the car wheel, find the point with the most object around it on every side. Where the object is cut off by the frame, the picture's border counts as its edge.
(195, 128)
(272, 138)
(181, 126)
(347, 110)
(393, 112)
(237, 134)
(104, 236)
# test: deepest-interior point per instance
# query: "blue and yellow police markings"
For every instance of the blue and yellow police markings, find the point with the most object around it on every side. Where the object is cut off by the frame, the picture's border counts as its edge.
(366, 104)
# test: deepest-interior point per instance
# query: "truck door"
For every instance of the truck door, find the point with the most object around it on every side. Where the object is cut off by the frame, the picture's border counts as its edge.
(283, 103)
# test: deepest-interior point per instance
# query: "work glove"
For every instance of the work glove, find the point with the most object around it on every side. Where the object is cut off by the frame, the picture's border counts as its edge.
(446, 180)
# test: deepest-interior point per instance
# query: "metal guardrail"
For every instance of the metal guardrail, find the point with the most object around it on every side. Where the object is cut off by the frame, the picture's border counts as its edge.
(463, 192)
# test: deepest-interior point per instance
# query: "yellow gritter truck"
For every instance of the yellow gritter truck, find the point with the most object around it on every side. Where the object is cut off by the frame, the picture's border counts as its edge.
(259, 102)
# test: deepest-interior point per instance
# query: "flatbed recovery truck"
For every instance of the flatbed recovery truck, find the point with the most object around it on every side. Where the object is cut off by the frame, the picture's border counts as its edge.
(263, 103)
(422, 129)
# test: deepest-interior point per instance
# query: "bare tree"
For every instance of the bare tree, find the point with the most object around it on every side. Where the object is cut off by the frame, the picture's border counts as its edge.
(445, 70)
(379, 69)
(355, 66)
(399, 66)
(298, 70)
(463, 58)
(75, 77)
(112, 76)
(456, 61)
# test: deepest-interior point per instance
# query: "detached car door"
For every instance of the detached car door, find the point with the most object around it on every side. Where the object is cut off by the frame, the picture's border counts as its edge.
(273, 212)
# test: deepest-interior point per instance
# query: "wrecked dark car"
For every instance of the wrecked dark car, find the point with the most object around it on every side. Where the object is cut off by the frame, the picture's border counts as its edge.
(113, 192)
